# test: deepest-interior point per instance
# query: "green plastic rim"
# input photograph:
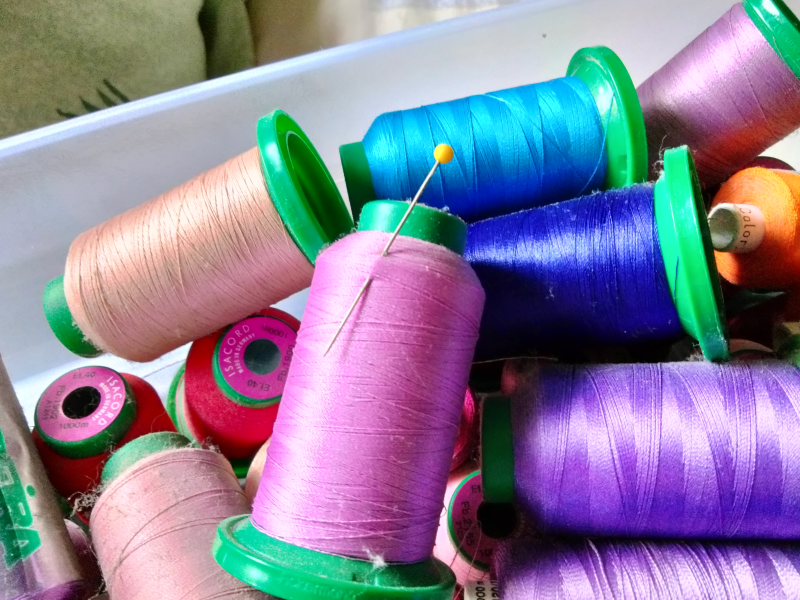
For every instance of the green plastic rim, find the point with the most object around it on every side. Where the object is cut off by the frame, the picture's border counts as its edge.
(62, 323)
(781, 28)
(786, 341)
(139, 449)
(620, 113)
(451, 508)
(497, 450)
(300, 186)
(172, 393)
(424, 223)
(288, 571)
(357, 177)
(688, 254)
(103, 441)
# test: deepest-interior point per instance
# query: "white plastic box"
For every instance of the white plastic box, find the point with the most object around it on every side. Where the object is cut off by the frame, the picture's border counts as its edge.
(61, 180)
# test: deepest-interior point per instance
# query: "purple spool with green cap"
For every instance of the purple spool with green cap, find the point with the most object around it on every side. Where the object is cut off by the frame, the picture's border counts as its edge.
(294, 572)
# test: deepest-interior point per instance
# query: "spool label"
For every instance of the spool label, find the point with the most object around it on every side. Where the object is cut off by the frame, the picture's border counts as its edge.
(254, 356)
(471, 543)
(112, 394)
(481, 590)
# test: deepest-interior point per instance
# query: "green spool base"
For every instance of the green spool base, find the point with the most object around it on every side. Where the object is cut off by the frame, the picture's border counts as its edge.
(781, 28)
(295, 573)
(620, 112)
(688, 254)
(139, 449)
(497, 450)
(424, 223)
(61, 321)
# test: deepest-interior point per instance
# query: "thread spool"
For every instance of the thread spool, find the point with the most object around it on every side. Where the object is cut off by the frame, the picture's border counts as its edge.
(228, 393)
(92, 577)
(628, 570)
(352, 508)
(649, 252)
(83, 416)
(775, 263)
(253, 478)
(680, 450)
(206, 254)
(516, 148)
(154, 523)
(730, 94)
(469, 529)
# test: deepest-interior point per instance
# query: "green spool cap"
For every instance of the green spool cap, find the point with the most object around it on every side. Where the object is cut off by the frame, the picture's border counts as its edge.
(300, 186)
(688, 254)
(786, 338)
(100, 442)
(620, 112)
(497, 450)
(424, 223)
(61, 321)
(781, 28)
(140, 448)
(357, 176)
(288, 571)
(171, 407)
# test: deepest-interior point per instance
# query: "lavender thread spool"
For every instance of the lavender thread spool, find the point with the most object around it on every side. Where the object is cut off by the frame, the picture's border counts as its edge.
(356, 471)
(632, 570)
(679, 450)
(731, 93)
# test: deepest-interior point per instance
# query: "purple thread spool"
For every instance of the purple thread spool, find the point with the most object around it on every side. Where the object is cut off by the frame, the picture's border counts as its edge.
(634, 570)
(730, 94)
(680, 450)
(355, 476)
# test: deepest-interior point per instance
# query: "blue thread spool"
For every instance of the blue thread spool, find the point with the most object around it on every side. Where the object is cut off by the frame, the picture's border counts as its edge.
(618, 267)
(514, 149)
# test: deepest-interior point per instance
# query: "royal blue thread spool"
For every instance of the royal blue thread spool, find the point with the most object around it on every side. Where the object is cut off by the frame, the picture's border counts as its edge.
(514, 148)
(618, 267)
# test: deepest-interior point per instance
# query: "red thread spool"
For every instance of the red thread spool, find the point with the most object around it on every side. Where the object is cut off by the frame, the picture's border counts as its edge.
(228, 395)
(84, 415)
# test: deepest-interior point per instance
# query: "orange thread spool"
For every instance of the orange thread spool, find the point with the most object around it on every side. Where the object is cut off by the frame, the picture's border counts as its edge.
(775, 264)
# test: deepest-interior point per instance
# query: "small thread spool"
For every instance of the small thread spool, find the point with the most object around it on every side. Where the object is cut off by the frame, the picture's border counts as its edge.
(515, 148)
(775, 196)
(470, 529)
(228, 393)
(83, 416)
(649, 252)
(357, 466)
(253, 478)
(629, 570)
(204, 255)
(731, 93)
(154, 523)
(92, 576)
(687, 450)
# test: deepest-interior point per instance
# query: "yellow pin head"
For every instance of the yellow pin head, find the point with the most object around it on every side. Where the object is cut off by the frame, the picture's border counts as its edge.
(443, 154)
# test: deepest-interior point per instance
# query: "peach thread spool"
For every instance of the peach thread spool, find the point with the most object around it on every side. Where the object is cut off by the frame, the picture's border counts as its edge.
(155, 521)
(228, 393)
(83, 416)
(206, 254)
(770, 199)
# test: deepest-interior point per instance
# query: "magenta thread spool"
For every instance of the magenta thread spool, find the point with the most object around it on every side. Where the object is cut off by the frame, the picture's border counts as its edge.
(688, 450)
(357, 466)
(730, 94)
(154, 523)
(84, 415)
(228, 393)
(656, 570)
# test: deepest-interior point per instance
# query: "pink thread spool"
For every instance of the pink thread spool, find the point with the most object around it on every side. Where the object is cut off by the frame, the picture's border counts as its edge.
(83, 416)
(358, 462)
(229, 391)
(154, 523)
